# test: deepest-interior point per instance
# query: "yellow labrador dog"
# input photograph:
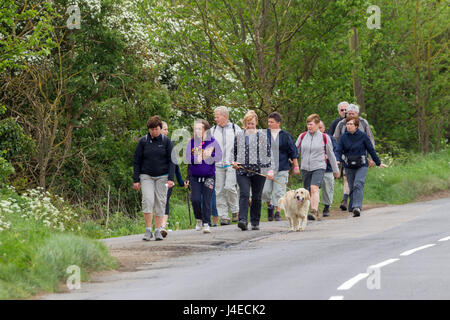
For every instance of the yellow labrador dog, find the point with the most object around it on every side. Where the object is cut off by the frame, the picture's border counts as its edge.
(296, 207)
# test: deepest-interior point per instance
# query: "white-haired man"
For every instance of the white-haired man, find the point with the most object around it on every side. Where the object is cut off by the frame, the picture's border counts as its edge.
(342, 109)
(227, 198)
(352, 110)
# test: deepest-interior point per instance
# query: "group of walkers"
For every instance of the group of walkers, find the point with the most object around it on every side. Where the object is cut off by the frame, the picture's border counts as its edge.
(233, 169)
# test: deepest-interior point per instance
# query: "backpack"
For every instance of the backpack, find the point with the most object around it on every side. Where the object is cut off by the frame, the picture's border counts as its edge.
(165, 140)
(324, 136)
(215, 127)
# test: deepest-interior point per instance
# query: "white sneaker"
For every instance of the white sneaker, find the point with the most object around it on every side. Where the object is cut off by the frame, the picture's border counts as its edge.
(206, 228)
(198, 226)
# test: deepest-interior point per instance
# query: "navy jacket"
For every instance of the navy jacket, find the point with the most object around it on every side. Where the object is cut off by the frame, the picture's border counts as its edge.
(333, 126)
(356, 144)
(153, 157)
(286, 149)
(335, 144)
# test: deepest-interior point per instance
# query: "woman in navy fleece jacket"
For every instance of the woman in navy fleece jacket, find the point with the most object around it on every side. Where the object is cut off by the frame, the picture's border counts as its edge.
(201, 153)
(354, 144)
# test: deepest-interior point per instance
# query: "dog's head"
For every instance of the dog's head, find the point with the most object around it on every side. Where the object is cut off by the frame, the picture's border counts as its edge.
(301, 195)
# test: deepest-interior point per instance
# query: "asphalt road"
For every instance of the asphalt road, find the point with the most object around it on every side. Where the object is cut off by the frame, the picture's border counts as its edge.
(407, 246)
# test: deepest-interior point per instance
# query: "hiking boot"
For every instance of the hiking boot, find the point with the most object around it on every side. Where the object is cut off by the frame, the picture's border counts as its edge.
(356, 212)
(326, 211)
(235, 217)
(206, 228)
(343, 205)
(158, 235)
(254, 227)
(270, 213)
(163, 232)
(224, 222)
(243, 225)
(311, 215)
(198, 226)
(148, 235)
(277, 216)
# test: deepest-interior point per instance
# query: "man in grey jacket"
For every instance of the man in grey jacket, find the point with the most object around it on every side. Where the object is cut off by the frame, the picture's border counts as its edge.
(315, 148)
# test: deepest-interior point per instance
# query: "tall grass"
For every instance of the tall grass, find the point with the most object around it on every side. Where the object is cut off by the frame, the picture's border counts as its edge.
(34, 256)
(404, 182)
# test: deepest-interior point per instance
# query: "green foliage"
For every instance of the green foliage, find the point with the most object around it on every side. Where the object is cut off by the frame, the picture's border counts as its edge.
(6, 169)
(13, 140)
(24, 32)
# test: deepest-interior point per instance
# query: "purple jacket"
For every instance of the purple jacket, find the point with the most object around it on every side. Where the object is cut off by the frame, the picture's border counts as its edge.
(207, 167)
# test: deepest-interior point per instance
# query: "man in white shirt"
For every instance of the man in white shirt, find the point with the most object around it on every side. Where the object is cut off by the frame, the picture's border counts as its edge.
(227, 198)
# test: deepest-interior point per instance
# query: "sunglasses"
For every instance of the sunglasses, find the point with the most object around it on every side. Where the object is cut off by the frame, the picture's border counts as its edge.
(343, 110)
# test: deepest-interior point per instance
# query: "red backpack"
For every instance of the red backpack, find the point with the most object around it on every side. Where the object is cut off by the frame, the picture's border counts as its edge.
(324, 136)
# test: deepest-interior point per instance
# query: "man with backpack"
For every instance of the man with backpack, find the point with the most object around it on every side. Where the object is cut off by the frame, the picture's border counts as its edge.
(226, 185)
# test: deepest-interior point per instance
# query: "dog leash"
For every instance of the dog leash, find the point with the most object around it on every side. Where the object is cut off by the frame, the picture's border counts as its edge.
(264, 175)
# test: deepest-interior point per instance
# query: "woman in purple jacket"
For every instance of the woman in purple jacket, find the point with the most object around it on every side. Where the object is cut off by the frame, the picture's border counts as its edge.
(201, 153)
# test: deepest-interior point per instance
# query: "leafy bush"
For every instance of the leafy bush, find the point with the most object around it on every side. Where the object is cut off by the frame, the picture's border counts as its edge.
(6, 169)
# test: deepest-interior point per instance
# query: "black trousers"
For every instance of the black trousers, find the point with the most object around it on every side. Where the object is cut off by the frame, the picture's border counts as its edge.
(201, 196)
(256, 183)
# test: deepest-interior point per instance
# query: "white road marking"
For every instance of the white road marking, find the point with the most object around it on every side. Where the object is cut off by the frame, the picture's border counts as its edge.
(444, 239)
(336, 298)
(407, 253)
(384, 263)
(350, 283)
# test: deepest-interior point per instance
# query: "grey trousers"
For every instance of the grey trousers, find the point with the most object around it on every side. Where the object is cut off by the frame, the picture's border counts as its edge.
(227, 198)
(327, 189)
(356, 179)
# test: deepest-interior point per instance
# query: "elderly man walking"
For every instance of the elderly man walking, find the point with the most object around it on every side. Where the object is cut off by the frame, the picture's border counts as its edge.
(342, 109)
(226, 185)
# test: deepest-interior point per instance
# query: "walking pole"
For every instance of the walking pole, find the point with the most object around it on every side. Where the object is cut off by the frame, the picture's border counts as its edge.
(189, 206)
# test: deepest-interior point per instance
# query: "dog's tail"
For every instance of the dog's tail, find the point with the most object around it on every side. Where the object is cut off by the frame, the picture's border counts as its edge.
(281, 204)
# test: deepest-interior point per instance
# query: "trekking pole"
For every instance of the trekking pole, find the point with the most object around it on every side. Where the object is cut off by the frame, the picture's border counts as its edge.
(189, 206)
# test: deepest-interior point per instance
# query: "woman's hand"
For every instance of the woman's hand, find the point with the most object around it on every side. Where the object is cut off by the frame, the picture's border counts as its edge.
(207, 153)
(137, 186)
(186, 184)
(296, 170)
(336, 174)
(270, 175)
(170, 184)
(235, 165)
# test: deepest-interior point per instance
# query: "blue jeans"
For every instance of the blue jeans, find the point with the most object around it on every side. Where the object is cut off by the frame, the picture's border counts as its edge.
(356, 179)
(213, 205)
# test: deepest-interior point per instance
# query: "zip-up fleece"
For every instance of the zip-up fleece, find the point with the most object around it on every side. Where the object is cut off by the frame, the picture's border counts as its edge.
(312, 152)
(153, 157)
